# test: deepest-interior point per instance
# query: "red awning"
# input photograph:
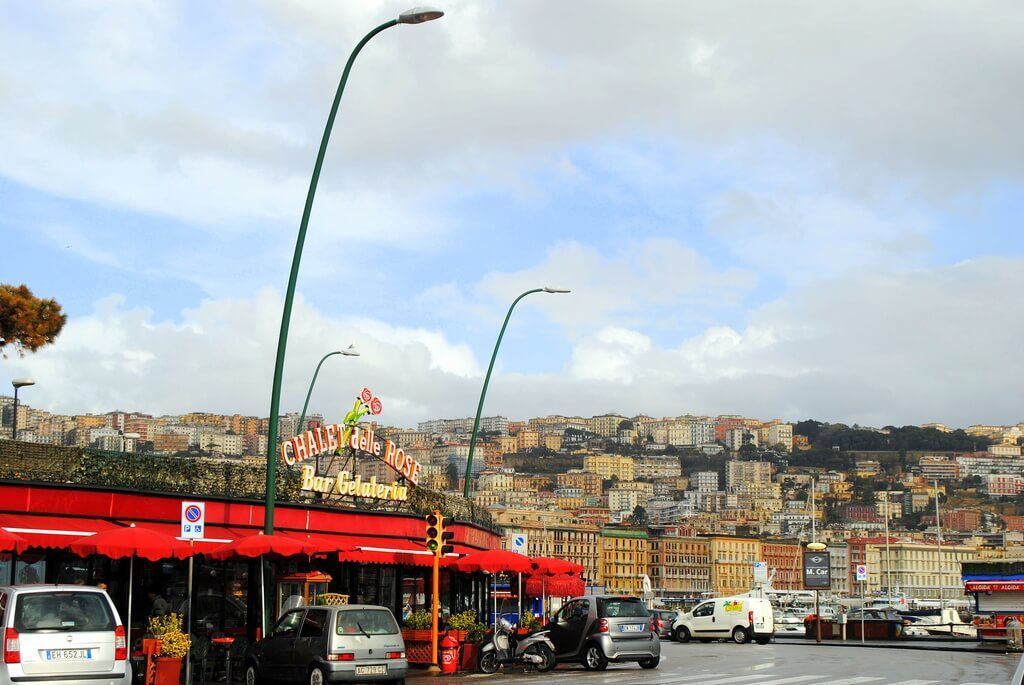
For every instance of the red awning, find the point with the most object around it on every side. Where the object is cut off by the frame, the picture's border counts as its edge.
(213, 536)
(54, 532)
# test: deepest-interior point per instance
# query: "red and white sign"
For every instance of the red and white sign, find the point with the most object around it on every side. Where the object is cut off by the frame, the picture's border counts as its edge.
(994, 586)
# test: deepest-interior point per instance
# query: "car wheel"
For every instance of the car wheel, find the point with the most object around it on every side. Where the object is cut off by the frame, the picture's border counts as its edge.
(548, 657)
(594, 659)
(651, 662)
(739, 635)
(763, 640)
(489, 662)
(682, 634)
(316, 676)
(252, 675)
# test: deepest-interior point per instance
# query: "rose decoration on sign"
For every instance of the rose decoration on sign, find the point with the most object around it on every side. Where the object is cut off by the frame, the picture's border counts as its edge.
(366, 395)
(365, 404)
(375, 406)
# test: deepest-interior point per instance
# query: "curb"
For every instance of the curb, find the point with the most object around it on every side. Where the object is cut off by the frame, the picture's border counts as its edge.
(895, 645)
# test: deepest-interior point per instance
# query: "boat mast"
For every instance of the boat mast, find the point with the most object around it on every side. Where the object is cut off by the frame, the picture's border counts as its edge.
(938, 527)
(888, 557)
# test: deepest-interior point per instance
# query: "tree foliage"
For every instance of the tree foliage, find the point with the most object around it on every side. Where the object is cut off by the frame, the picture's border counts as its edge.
(27, 322)
(913, 438)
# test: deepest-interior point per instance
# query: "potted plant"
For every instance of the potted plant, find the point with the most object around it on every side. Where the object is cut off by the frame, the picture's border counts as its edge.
(470, 633)
(174, 644)
(416, 635)
(528, 623)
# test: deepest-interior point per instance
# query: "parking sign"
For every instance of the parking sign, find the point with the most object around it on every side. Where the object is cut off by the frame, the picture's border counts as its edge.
(760, 571)
(193, 519)
(518, 543)
(862, 573)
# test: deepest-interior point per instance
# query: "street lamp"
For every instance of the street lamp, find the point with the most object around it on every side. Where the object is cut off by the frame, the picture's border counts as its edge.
(487, 379)
(349, 351)
(18, 383)
(417, 15)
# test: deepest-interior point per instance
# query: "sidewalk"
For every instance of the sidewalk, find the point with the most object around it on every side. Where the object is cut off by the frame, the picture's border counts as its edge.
(928, 644)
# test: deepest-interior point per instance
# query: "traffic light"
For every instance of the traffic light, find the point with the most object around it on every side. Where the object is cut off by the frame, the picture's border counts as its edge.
(438, 539)
(434, 527)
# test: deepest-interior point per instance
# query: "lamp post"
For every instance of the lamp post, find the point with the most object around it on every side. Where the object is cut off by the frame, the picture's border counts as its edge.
(349, 351)
(417, 15)
(18, 383)
(487, 380)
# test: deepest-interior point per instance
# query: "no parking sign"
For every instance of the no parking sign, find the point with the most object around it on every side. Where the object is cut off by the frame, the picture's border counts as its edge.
(193, 519)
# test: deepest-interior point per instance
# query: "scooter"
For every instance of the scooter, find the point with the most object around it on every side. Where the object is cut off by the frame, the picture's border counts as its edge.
(535, 650)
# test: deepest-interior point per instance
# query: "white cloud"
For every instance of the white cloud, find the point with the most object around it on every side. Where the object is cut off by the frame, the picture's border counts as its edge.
(877, 348)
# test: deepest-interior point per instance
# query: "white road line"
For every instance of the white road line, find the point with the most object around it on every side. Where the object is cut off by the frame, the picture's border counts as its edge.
(914, 682)
(857, 681)
(752, 679)
(794, 679)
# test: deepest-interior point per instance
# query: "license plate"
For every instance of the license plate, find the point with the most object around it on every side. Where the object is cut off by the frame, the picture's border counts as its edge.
(372, 670)
(632, 627)
(68, 654)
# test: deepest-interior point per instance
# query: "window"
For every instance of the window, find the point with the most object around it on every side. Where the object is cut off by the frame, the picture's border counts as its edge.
(624, 607)
(289, 624)
(313, 625)
(705, 609)
(63, 611)
(367, 622)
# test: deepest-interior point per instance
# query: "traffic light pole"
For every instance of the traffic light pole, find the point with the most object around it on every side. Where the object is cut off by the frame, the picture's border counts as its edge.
(435, 610)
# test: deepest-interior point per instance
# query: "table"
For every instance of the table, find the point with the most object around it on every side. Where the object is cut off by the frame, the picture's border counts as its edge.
(225, 644)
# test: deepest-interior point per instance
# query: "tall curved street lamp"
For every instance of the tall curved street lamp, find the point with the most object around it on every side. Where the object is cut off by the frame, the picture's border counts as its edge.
(417, 15)
(487, 380)
(18, 384)
(349, 351)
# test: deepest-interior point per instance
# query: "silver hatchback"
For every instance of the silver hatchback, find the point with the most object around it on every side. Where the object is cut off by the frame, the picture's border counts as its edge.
(66, 633)
(317, 645)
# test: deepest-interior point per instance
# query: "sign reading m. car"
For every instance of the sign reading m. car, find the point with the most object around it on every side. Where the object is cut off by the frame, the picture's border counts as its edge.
(817, 572)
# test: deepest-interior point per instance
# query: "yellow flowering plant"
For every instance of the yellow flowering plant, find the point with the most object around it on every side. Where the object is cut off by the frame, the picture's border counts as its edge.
(174, 643)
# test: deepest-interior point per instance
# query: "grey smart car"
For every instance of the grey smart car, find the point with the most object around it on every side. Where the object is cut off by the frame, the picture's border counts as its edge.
(317, 645)
(598, 629)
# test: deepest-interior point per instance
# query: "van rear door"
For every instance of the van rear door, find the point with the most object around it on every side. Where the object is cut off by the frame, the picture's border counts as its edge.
(65, 632)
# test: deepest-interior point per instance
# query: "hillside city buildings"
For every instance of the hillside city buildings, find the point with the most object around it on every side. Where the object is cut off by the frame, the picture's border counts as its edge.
(691, 502)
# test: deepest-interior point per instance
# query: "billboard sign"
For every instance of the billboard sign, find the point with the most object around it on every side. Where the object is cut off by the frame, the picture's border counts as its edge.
(817, 571)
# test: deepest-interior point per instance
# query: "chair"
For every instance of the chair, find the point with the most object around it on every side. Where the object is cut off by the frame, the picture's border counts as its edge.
(200, 655)
(236, 654)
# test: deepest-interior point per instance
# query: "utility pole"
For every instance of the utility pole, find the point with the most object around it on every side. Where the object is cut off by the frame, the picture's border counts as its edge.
(938, 527)
(888, 557)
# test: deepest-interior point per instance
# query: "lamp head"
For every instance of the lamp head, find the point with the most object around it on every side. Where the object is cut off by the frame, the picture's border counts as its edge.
(418, 15)
(22, 382)
(350, 351)
(817, 546)
(557, 290)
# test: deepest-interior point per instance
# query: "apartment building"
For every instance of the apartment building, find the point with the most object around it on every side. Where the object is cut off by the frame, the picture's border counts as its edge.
(652, 468)
(609, 465)
(704, 481)
(556, 534)
(735, 438)
(785, 560)
(679, 567)
(914, 568)
(934, 467)
(588, 483)
(732, 563)
(624, 560)
(749, 477)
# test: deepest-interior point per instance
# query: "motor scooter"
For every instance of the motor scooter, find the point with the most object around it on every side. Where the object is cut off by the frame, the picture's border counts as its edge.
(535, 650)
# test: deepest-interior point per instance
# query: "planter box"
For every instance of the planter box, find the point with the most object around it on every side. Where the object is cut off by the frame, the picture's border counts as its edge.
(417, 645)
(469, 656)
(168, 670)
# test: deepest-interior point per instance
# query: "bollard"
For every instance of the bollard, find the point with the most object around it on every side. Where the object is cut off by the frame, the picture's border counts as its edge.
(1013, 635)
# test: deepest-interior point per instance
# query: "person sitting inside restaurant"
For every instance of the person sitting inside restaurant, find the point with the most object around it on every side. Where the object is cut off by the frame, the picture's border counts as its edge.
(159, 605)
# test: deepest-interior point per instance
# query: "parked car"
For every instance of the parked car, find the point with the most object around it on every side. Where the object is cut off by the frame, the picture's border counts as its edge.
(66, 633)
(597, 629)
(738, 618)
(317, 645)
(663, 620)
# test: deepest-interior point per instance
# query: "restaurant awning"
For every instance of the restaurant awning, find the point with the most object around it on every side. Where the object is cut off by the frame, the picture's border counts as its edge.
(53, 532)
(213, 536)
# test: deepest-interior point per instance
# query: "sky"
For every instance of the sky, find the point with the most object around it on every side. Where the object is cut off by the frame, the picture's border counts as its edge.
(785, 210)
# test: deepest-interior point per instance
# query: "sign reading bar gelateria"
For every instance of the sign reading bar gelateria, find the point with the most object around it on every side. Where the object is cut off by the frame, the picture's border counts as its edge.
(347, 486)
(335, 437)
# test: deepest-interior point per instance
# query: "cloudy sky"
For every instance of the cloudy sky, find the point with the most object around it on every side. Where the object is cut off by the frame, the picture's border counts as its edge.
(787, 209)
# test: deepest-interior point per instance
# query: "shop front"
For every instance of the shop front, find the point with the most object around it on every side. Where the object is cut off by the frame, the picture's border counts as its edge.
(382, 558)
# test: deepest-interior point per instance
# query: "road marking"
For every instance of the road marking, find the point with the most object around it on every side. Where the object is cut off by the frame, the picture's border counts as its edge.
(856, 681)
(794, 679)
(914, 682)
(751, 679)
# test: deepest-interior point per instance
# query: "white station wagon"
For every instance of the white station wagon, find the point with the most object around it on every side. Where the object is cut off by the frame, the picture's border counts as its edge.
(67, 634)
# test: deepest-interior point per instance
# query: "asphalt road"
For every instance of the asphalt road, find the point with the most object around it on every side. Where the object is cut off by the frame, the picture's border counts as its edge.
(781, 664)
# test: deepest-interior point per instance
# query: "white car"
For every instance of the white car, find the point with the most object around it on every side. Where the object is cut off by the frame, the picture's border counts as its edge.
(69, 634)
(740, 619)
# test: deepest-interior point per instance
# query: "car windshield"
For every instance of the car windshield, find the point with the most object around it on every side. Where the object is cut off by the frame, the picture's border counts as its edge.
(366, 622)
(63, 612)
(621, 607)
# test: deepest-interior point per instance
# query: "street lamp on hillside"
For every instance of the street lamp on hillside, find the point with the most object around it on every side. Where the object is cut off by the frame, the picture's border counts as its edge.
(349, 351)
(417, 15)
(487, 380)
(18, 383)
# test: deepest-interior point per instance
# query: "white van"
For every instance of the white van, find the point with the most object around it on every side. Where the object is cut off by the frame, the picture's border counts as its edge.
(61, 633)
(740, 619)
